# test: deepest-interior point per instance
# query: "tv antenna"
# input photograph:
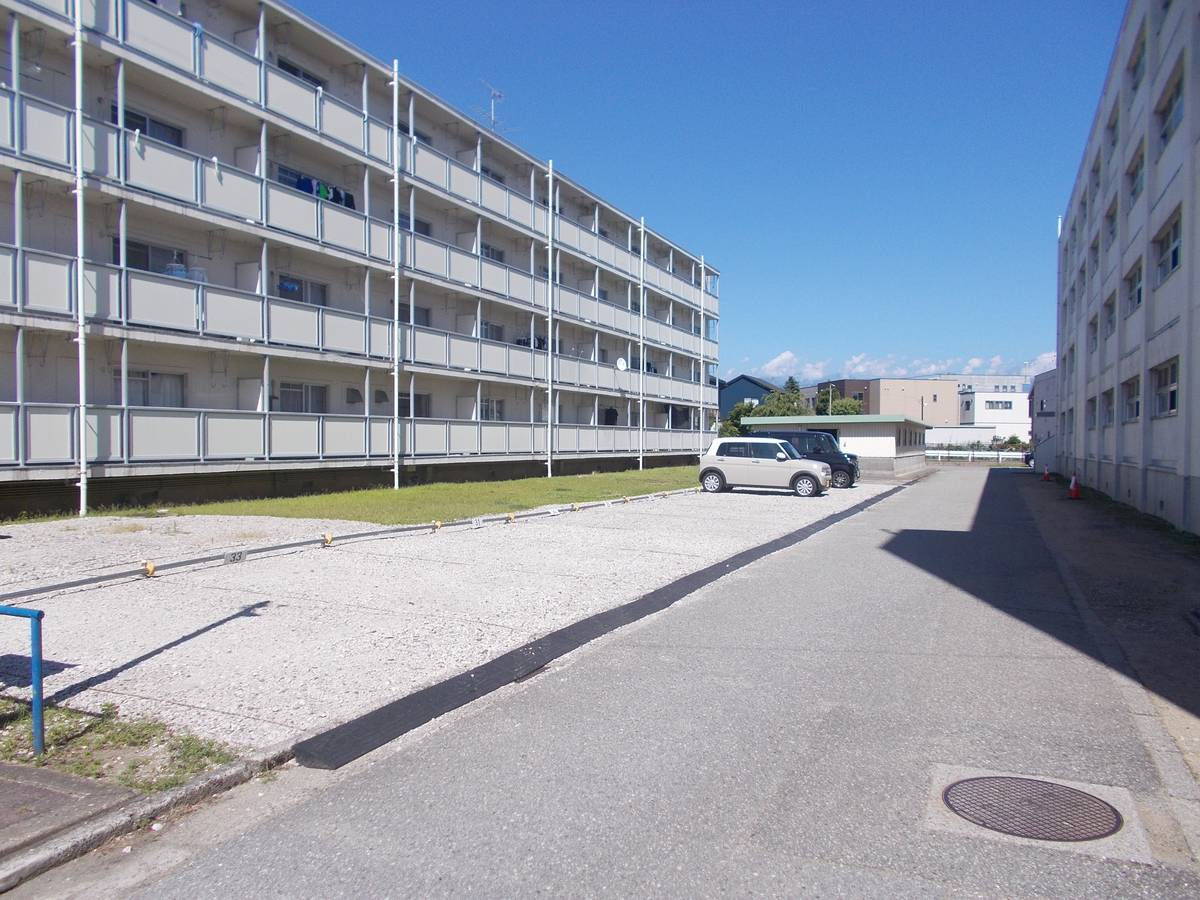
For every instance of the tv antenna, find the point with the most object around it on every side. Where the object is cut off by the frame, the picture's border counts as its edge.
(495, 95)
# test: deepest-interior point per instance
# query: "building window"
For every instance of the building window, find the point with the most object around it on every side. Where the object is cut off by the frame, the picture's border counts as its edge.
(420, 226)
(1094, 257)
(421, 406)
(491, 331)
(491, 173)
(300, 72)
(491, 410)
(1093, 335)
(1110, 225)
(495, 254)
(1165, 380)
(418, 314)
(1136, 174)
(1170, 109)
(1107, 409)
(1110, 315)
(1089, 414)
(303, 398)
(301, 290)
(1133, 289)
(148, 388)
(1113, 131)
(1137, 65)
(419, 135)
(151, 258)
(998, 404)
(1131, 399)
(150, 126)
(1168, 246)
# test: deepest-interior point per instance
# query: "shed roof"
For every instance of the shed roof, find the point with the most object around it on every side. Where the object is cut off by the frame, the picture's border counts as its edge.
(832, 420)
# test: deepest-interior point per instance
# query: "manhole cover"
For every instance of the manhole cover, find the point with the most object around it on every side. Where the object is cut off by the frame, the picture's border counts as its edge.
(1029, 808)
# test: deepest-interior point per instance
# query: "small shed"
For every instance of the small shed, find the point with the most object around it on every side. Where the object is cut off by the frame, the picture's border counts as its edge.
(885, 445)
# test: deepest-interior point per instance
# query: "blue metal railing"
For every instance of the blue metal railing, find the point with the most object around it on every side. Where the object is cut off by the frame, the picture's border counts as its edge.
(35, 666)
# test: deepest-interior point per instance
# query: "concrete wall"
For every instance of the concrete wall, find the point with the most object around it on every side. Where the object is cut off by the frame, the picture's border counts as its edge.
(934, 402)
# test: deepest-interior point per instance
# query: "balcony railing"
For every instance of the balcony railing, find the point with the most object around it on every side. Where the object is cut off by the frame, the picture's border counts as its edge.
(45, 434)
(222, 65)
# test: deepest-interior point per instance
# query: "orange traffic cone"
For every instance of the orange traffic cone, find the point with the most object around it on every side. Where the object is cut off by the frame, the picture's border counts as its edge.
(1073, 493)
(1046, 474)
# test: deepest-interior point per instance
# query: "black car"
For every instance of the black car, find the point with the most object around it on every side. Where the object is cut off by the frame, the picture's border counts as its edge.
(821, 447)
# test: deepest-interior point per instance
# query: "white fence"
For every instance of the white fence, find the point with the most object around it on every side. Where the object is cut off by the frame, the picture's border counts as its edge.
(976, 455)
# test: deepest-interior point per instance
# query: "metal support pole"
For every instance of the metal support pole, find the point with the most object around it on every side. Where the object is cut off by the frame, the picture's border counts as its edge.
(703, 373)
(396, 273)
(125, 400)
(19, 359)
(19, 235)
(122, 163)
(642, 343)
(35, 683)
(80, 312)
(14, 55)
(550, 219)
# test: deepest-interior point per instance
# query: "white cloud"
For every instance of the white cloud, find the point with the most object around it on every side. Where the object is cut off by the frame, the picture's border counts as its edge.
(780, 366)
(995, 364)
(1043, 362)
(812, 371)
(864, 365)
(972, 364)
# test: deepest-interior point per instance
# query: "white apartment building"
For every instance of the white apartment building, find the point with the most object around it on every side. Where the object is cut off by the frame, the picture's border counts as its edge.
(1006, 412)
(284, 256)
(1129, 386)
(1043, 415)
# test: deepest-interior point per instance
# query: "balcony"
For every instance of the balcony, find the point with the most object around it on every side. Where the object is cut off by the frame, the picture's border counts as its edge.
(45, 434)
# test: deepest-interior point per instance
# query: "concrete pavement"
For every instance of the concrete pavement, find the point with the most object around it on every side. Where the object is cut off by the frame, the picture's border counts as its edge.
(783, 731)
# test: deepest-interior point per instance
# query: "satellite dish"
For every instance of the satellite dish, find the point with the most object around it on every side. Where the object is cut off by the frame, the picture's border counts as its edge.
(622, 365)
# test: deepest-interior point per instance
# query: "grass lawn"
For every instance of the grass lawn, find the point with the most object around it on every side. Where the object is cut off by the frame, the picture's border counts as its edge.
(139, 753)
(444, 502)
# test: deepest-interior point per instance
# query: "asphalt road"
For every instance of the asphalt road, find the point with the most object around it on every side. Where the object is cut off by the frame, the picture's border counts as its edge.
(785, 731)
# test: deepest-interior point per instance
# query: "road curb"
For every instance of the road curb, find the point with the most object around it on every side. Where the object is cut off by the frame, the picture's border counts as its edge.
(87, 836)
(1180, 786)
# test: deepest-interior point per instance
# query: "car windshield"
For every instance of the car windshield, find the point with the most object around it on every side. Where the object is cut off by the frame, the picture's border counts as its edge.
(825, 444)
(790, 450)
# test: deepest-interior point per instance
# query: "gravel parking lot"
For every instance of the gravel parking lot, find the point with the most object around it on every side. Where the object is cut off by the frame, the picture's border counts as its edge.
(263, 651)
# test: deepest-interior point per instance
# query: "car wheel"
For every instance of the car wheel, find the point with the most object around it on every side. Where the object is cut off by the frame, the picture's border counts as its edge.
(806, 486)
(712, 482)
(842, 479)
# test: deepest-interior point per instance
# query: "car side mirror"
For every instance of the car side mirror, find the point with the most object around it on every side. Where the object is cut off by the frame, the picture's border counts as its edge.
(781, 456)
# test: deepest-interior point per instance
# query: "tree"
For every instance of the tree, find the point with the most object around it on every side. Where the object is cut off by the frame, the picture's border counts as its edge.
(782, 403)
(846, 406)
(791, 386)
(824, 396)
(732, 426)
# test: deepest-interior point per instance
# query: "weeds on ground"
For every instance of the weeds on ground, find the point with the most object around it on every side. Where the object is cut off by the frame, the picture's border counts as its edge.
(141, 754)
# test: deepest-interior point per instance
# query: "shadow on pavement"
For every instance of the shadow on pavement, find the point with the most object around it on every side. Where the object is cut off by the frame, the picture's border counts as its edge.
(1004, 561)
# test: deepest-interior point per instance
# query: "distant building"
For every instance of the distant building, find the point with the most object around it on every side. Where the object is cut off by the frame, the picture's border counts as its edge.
(743, 389)
(1006, 411)
(966, 381)
(886, 445)
(1043, 415)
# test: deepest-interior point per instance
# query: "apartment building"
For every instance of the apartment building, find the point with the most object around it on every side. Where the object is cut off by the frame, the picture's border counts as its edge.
(1128, 330)
(1043, 416)
(283, 256)
(1005, 412)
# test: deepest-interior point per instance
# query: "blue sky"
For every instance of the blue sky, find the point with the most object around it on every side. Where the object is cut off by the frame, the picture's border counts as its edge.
(877, 182)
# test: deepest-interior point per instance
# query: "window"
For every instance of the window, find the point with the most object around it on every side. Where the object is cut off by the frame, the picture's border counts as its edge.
(998, 404)
(1170, 110)
(151, 258)
(1136, 175)
(1094, 257)
(1131, 399)
(419, 135)
(1107, 409)
(420, 226)
(603, 295)
(151, 388)
(420, 315)
(1089, 416)
(1110, 224)
(302, 398)
(150, 126)
(1137, 65)
(1093, 335)
(491, 410)
(299, 72)
(490, 173)
(1165, 380)
(421, 406)
(765, 451)
(734, 448)
(1113, 131)
(301, 290)
(1133, 289)
(492, 331)
(495, 254)
(1168, 247)
(1110, 315)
